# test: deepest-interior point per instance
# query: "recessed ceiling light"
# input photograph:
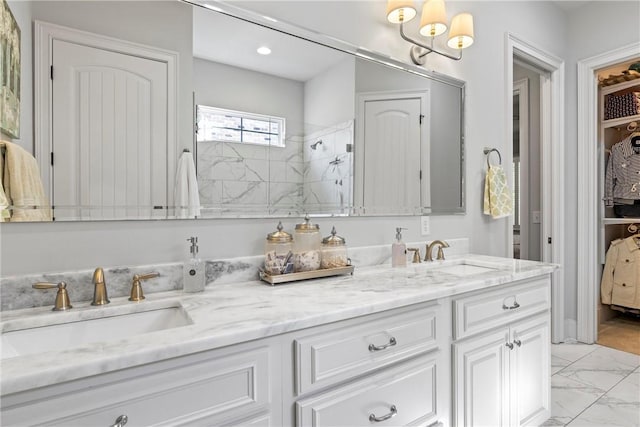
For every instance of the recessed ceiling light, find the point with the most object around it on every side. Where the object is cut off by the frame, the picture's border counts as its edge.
(263, 50)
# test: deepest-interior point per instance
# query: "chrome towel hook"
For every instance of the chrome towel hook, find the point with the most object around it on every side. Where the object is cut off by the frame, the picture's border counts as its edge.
(488, 152)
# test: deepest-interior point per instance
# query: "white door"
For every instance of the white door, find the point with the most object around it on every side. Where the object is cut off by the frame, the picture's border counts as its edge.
(530, 372)
(392, 153)
(109, 133)
(481, 381)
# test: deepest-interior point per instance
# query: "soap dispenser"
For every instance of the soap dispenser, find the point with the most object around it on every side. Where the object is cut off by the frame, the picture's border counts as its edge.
(399, 250)
(193, 271)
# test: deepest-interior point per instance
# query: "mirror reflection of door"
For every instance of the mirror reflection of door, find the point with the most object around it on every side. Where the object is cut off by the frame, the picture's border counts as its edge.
(527, 237)
(394, 146)
(109, 133)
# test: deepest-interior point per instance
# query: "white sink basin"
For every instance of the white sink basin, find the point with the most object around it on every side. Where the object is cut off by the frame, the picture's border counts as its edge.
(109, 327)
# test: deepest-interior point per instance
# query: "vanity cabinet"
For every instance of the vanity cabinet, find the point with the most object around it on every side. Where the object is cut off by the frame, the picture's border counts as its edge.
(237, 385)
(501, 375)
(482, 357)
(390, 368)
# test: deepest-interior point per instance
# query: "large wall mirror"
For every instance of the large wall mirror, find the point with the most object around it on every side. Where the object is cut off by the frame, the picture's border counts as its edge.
(315, 126)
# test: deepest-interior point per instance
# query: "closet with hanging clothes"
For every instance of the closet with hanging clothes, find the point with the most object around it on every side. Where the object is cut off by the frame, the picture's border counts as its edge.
(619, 216)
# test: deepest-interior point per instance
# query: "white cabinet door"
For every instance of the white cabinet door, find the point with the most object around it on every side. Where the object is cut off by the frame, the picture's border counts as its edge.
(530, 372)
(503, 378)
(481, 386)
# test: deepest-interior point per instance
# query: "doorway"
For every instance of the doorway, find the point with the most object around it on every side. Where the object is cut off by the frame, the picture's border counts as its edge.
(588, 272)
(527, 238)
(401, 117)
(115, 118)
(552, 221)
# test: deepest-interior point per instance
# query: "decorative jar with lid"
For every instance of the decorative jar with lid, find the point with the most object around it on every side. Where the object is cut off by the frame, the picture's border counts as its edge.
(278, 254)
(334, 251)
(306, 246)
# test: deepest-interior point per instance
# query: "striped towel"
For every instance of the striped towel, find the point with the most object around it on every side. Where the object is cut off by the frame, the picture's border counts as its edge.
(497, 196)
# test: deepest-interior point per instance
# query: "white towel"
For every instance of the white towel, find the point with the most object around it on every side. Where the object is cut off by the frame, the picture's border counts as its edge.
(186, 197)
(22, 185)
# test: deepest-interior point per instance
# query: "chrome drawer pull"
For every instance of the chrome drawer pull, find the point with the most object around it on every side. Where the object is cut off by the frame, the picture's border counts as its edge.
(510, 345)
(513, 307)
(436, 424)
(392, 342)
(518, 343)
(121, 421)
(393, 413)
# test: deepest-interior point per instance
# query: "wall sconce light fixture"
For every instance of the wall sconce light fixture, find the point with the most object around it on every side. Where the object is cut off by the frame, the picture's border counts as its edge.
(432, 24)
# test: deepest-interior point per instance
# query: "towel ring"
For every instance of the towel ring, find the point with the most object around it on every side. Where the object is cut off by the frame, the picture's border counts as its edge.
(488, 152)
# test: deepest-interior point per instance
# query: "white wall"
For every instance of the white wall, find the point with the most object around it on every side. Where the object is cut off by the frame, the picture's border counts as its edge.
(584, 32)
(328, 97)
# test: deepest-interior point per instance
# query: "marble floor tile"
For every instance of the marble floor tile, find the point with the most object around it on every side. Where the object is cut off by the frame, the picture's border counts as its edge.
(610, 414)
(569, 397)
(602, 368)
(556, 421)
(572, 352)
(558, 363)
(627, 390)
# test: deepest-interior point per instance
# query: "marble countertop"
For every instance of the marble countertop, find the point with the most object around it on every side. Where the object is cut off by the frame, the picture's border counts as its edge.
(232, 313)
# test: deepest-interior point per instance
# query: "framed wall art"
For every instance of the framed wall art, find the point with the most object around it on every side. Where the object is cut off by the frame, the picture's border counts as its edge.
(9, 72)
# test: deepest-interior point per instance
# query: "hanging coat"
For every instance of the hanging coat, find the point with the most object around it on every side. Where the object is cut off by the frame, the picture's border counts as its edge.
(621, 277)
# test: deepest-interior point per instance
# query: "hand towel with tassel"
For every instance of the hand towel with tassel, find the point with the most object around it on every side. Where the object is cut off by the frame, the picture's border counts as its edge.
(497, 196)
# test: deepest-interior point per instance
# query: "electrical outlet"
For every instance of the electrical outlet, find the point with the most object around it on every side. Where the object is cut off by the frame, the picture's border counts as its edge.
(424, 225)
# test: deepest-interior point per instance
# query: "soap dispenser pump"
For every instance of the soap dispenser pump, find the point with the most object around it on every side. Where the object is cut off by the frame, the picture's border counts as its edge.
(193, 271)
(399, 250)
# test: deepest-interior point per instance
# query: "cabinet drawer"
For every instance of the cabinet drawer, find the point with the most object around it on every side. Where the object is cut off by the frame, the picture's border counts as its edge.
(184, 391)
(409, 388)
(484, 310)
(339, 354)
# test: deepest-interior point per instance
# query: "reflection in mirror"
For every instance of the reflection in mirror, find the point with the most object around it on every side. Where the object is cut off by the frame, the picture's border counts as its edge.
(308, 168)
(116, 143)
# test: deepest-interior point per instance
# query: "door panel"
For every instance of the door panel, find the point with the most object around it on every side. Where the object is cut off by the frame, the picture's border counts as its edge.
(110, 110)
(392, 153)
(531, 372)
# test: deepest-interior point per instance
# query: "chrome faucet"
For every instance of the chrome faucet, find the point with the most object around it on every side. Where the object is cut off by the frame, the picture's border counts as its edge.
(100, 288)
(441, 245)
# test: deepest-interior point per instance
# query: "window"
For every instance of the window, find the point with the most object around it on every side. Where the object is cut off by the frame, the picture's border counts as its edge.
(218, 124)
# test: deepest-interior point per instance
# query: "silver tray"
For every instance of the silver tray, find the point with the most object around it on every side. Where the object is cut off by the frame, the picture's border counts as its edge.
(304, 275)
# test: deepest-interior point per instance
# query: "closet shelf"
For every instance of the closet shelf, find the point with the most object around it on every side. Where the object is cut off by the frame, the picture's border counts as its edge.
(616, 221)
(620, 121)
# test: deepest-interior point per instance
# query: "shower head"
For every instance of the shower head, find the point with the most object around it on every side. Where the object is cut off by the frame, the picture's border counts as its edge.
(315, 144)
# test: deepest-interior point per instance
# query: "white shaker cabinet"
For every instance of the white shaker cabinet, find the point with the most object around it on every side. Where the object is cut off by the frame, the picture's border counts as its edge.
(232, 386)
(478, 358)
(501, 376)
(387, 369)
